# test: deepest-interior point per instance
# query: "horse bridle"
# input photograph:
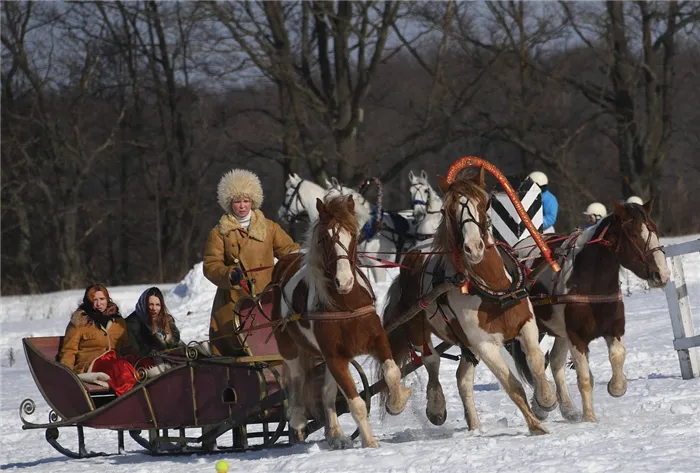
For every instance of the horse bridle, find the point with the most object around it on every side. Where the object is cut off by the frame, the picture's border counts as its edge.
(644, 255)
(350, 253)
(425, 202)
(483, 227)
(287, 205)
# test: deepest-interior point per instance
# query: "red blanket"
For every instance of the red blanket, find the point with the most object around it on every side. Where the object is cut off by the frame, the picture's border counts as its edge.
(122, 375)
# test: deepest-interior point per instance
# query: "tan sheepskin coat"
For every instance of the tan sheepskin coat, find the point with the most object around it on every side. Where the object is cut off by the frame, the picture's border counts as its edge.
(84, 341)
(229, 245)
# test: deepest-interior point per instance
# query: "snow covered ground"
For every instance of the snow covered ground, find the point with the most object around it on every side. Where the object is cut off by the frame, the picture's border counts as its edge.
(655, 427)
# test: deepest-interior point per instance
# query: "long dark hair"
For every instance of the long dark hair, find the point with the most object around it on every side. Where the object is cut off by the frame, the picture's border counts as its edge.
(160, 320)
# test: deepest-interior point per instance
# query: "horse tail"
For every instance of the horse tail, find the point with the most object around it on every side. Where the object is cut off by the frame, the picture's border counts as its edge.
(398, 338)
(516, 351)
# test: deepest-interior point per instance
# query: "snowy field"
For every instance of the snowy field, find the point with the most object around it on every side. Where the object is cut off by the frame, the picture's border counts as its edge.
(655, 427)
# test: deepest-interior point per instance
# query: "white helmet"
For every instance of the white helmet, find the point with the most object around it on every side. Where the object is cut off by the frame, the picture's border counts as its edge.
(597, 209)
(539, 178)
(634, 200)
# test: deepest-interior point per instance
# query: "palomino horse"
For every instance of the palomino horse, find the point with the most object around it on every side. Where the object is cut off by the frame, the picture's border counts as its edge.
(583, 302)
(338, 322)
(427, 206)
(476, 320)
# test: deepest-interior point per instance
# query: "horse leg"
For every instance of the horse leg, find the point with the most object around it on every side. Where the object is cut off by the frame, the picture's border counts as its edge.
(436, 410)
(297, 410)
(557, 362)
(376, 245)
(398, 393)
(465, 385)
(334, 434)
(340, 370)
(585, 382)
(529, 338)
(491, 355)
(617, 386)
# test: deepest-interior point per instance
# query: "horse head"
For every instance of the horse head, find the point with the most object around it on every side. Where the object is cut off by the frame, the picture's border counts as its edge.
(466, 226)
(633, 234)
(334, 241)
(292, 206)
(421, 195)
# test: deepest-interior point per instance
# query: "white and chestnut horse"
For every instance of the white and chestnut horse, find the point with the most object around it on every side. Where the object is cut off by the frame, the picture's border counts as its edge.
(479, 316)
(338, 321)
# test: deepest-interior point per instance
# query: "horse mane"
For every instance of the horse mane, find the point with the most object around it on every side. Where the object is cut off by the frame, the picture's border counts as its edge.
(337, 213)
(443, 241)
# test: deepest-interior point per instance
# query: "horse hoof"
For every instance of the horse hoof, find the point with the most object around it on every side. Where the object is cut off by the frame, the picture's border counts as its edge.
(571, 415)
(436, 410)
(436, 418)
(590, 418)
(539, 412)
(340, 443)
(617, 389)
(544, 408)
(538, 430)
(396, 406)
(370, 444)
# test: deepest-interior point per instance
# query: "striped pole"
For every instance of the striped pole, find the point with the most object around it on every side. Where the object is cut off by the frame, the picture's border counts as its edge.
(473, 161)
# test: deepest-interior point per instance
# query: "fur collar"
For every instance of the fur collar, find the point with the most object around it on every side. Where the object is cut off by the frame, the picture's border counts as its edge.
(81, 319)
(256, 231)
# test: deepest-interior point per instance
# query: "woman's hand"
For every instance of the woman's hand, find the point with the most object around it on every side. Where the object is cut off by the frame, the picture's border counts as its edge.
(236, 276)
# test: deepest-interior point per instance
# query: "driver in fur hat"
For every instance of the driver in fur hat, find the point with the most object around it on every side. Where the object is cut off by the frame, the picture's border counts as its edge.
(241, 242)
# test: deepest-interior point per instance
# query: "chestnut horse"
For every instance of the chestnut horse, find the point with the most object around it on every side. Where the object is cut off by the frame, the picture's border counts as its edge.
(476, 320)
(338, 321)
(583, 302)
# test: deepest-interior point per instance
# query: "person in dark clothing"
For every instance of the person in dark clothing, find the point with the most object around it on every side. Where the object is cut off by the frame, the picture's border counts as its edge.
(151, 328)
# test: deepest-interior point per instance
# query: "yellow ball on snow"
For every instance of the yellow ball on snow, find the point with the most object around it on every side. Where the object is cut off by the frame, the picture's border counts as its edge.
(221, 466)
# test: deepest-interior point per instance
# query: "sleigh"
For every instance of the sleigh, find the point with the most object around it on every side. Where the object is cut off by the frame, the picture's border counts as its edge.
(236, 403)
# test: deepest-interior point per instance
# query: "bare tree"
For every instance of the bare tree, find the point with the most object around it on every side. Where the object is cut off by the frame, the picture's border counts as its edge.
(322, 57)
(68, 142)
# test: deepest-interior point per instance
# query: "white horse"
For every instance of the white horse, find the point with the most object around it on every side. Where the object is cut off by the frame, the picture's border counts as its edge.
(300, 200)
(427, 207)
(380, 245)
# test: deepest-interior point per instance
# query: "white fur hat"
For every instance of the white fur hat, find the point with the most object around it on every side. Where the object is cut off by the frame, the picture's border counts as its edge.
(239, 183)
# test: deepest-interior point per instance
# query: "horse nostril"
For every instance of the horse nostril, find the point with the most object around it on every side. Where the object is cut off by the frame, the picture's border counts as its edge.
(467, 250)
(656, 276)
(481, 246)
(337, 282)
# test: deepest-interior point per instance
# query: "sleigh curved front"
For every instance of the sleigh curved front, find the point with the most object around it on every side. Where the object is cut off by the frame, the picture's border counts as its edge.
(60, 387)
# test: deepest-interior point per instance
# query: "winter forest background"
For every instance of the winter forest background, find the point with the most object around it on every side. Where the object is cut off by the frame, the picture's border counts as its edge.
(118, 118)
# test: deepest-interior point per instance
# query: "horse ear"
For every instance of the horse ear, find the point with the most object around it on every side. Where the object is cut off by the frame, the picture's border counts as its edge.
(479, 178)
(423, 175)
(619, 209)
(411, 176)
(327, 183)
(320, 208)
(350, 203)
(444, 185)
(648, 206)
(335, 182)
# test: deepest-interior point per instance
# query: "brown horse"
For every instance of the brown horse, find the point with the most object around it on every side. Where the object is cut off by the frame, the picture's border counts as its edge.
(475, 320)
(583, 302)
(338, 322)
